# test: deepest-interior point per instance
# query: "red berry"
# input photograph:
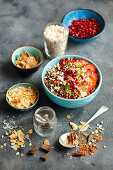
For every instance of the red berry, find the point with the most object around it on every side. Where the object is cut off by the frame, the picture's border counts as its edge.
(84, 28)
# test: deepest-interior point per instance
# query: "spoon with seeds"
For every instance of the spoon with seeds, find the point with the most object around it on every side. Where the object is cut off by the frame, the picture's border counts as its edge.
(65, 139)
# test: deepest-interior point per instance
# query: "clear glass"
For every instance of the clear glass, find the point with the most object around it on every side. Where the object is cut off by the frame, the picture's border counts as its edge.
(45, 121)
(55, 47)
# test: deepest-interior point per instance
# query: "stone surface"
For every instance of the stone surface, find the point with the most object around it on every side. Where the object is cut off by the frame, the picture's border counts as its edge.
(22, 23)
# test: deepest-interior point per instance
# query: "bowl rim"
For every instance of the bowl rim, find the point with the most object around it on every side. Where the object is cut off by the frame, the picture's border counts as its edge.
(87, 10)
(27, 68)
(23, 109)
(65, 56)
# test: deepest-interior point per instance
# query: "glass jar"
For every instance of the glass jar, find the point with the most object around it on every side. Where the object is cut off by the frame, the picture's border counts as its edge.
(45, 121)
(55, 39)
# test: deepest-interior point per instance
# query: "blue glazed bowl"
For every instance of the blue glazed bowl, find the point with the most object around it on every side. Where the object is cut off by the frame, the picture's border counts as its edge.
(71, 103)
(83, 13)
(26, 85)
(34, 51)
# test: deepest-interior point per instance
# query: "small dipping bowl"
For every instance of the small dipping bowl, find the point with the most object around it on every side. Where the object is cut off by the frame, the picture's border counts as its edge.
(34, 51)
(25, 85)
(45, 121)
(80, 14)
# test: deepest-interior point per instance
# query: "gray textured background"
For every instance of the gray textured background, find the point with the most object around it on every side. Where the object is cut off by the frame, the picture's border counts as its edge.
(22, 23)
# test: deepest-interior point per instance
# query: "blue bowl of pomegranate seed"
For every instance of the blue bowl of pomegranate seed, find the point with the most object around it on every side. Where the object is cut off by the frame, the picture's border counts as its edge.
(70, 103)
(84, 25)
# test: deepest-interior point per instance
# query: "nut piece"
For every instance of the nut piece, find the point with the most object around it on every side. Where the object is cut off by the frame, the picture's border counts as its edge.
(30, 144)
(6, 133)
(90, 137)
(68, 117)
(44, 157)
(45, 148)
(17, 153)
(85, 134)
(21, 154)
(46, 142)
(4, 144)
(82, 124)
(33, 150)
(29, 131)
(1, 146)
(73, 125)
(101, 122)
(2, 136)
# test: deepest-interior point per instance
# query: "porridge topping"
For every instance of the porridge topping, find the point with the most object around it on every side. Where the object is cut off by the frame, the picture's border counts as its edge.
(26, 60)
(72, 139)
(84, 28)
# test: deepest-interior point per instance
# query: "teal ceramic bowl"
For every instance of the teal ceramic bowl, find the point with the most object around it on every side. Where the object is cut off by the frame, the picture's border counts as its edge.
(34, 51)
(71, 103)
(83, 13)
(26, 85)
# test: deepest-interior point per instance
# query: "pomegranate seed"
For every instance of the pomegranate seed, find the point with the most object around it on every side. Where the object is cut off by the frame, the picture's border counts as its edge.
(84, 28)
(66, 95)
(73, 97)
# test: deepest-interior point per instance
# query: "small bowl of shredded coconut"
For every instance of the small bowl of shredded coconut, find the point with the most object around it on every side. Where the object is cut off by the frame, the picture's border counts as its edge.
(56, 38)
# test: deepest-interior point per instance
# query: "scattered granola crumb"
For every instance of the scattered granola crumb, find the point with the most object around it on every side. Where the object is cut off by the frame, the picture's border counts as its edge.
(100, 131)
(44, 157)
(27, 136)
(104, 147)
(21, 154)
(90, 137)
(1, 146)
(85, 134)
(101, 122)
(82, 124)
(68, 117)
(17, 153)
(29, 131)
(2, 136)
(89, 146)
(6, 134)
(46, 142)
(4, 144)
(16, 137)
(9, 125)
(96, 131)
(73, 125)
(30, 144)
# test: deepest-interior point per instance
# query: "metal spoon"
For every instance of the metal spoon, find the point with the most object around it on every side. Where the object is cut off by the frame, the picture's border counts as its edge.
(63, 138)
